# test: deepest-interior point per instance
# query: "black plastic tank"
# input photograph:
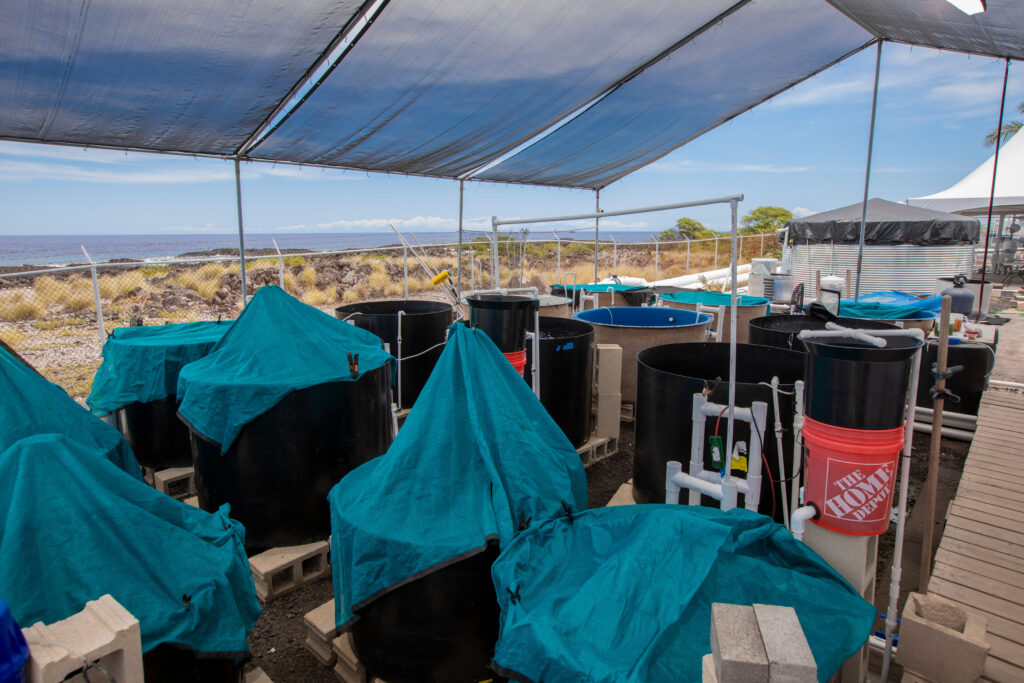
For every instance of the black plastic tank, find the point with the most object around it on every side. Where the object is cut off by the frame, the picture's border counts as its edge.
(424, 324)
(440, 628)
(156, 435)
(170, 663)
(505, 318)
(852, 384)
(277, 473)
(667, 378)
(781, 330)
(977, 360)
(566, 374)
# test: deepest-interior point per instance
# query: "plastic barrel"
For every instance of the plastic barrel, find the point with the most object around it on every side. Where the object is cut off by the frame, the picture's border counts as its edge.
(638, 328)
(277, 473)
(781, 330)
(744, 314)
(849, 383)
(969, 384)
(440, 628)
(566, 375)
(849, 475)
(14, 651)
(424, 324)
(503, 318)
(668, 377)
(156, 435)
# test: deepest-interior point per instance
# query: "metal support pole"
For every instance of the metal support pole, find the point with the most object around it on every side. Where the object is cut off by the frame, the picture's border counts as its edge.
(867, 170)
(741, 247)
(655, 257)
(734, 207)
(280, 263)
(241, 232)
(597, 229)
(687, 255)
(458, 283)
(494, 252)
(96, 294)
(992, 194)
(558, 245)
(762, 245)
(405, 271)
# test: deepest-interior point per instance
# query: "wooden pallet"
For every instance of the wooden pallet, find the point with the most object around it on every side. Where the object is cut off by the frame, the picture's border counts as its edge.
(980, 560)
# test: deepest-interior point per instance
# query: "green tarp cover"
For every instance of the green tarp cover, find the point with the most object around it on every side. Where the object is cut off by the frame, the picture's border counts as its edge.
(31, 405)
(73, 528)
(477, 458)
(277, 345)
(715, 299)
(141, 364)
(623, 594)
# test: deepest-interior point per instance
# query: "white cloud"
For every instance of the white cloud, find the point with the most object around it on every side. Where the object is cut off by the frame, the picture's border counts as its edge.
(14, 170)
(802, 211)
(705, 166)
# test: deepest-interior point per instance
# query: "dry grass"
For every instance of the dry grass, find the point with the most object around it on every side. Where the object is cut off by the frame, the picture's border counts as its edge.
(13, 337)
(48, 290)
(320, 297)
(56, 323)
(211, 271)
(17, 306)
(360, 292)
(115, 286)
(308, 277)
(291, 285)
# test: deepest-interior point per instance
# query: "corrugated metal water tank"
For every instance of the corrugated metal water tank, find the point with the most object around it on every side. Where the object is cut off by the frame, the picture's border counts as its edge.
(904, 267)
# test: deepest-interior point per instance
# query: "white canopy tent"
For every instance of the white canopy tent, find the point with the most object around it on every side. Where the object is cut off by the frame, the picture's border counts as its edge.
(970, 195)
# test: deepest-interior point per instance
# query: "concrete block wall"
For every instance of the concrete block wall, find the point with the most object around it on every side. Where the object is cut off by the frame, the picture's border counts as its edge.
(608, 374)
(103, 632)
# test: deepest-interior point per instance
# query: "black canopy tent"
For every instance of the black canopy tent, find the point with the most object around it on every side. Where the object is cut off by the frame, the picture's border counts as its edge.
(887, 223)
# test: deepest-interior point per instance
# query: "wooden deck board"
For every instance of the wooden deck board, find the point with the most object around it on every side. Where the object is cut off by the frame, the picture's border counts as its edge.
(980, 560)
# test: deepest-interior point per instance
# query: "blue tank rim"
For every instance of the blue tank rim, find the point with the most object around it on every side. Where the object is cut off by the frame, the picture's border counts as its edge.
(642, 317)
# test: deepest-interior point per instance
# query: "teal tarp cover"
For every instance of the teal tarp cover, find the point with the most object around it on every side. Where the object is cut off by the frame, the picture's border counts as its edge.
(715, 299)
(894, 305)
(623, 594)
(141, 364)
(32, 405)
(73, 528)
(477, 458)
(277, 345)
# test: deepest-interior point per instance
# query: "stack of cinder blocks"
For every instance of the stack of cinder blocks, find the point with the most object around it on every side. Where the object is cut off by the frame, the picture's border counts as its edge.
(759, 644)
(176, 482)
(279, 571)
(104, 632)
(940, 641)
(321, 632)
(608, 399)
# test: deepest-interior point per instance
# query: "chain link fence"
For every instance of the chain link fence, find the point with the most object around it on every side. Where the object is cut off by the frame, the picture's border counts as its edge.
(57, 318)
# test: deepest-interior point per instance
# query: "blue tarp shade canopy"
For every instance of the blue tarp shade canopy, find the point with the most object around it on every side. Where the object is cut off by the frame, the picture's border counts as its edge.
(184, 75)
(893, 305)
(714, 299)
(74, 528)
(624, 594)
(277, 345)
(141, 364)
(31, 405)
(477, 458)
(560, 93)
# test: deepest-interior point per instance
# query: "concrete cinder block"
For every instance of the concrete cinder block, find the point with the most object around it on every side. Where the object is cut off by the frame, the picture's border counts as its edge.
(193, 501)
(609, 369)
(321, 632)
(279, 571)
(347, 667)
(103, 632)
(790, 659)
(736, 644)
(254, 674)
(941, 641)
(707, 666)
(176, 482)
(609, 407)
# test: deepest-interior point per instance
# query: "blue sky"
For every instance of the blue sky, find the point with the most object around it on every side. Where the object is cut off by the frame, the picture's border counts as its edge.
(804, 150)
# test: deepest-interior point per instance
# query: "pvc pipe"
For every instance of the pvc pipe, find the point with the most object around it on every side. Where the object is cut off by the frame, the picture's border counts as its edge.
(904, 481)
(842, 333)
(672, 468)
(950, 432)
(759, 415)
(1001, 383)
(699, 486)
(778, 451)
(799, 519)
(798, 426)
(694, 278)
(536, 352)
(958, 420)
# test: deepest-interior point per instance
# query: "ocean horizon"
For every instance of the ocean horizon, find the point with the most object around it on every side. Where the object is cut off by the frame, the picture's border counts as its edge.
(64, 250)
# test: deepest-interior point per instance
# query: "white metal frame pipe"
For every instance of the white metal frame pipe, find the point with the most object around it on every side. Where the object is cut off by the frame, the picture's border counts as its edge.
(778, 449)
(798, 446)
(622, 212)
(800, 517)
(241, 231)
(867, 170)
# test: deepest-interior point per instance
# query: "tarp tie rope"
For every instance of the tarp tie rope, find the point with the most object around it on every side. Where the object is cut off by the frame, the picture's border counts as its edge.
(514, 596)
(568, 511)
(353, 364)
(524, 521)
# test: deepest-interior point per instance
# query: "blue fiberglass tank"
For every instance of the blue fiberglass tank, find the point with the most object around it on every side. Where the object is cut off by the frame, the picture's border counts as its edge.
(287, 403)
(638, 328)
(138, 380)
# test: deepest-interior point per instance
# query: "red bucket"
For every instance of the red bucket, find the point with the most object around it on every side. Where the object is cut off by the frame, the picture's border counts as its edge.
(518, 360)
(850, 475)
